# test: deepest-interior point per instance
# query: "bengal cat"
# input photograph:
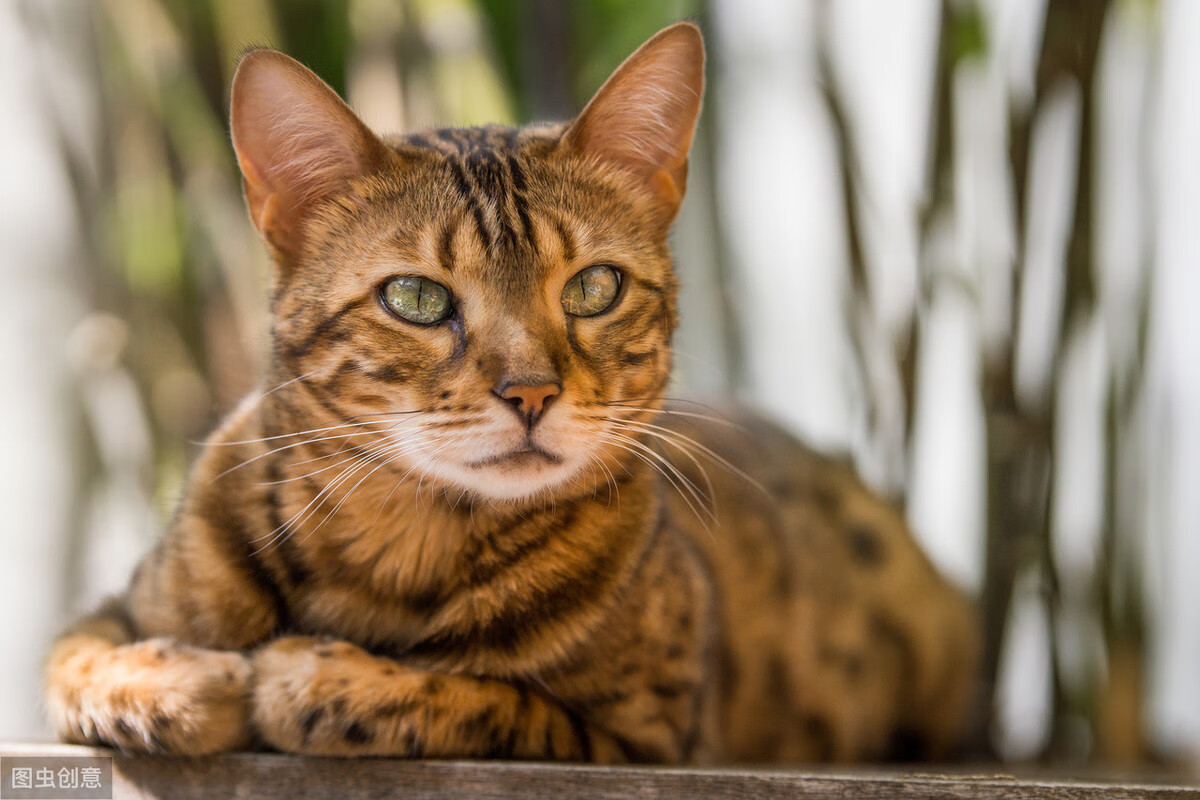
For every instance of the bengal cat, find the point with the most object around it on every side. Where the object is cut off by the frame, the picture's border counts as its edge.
(464, 522)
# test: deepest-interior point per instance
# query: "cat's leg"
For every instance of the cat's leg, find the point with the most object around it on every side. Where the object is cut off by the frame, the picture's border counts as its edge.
(320, 697)
(154, 695)
(159, 670)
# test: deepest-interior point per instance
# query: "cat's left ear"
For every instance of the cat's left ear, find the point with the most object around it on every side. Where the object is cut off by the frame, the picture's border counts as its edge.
(643, 118)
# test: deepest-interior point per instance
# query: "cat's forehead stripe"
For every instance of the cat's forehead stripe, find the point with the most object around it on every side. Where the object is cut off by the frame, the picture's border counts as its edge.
(499, 185)
(569, 245)
(467, 194)
(445, 249)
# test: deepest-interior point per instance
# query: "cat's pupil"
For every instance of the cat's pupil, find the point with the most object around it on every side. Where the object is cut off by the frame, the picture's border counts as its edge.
(416, 299)
(591, 290)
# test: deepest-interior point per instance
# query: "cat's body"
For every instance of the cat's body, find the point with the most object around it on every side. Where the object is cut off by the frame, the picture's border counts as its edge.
(458, 524)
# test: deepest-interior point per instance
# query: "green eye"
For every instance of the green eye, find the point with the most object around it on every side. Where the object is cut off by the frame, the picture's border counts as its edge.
(591, 291)
(417, 300)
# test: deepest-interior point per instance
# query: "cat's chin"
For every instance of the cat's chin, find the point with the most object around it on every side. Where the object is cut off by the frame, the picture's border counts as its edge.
(513, 477)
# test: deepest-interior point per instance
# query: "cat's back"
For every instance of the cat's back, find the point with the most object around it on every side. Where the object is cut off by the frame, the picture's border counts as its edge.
(837, 637)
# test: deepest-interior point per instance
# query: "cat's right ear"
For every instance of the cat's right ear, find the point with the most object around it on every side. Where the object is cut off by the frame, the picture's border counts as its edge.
(297, 143)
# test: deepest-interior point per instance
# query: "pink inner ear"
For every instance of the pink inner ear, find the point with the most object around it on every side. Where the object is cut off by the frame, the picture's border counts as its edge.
(644, 117)
(296, 141)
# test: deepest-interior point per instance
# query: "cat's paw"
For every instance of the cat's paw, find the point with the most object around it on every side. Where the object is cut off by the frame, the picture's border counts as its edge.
(154, 696)
(323, 697)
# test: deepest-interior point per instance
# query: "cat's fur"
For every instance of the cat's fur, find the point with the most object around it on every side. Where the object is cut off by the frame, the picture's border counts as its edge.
(360, 564)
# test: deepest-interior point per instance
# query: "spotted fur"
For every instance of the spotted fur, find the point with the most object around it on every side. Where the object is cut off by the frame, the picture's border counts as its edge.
(377, 556)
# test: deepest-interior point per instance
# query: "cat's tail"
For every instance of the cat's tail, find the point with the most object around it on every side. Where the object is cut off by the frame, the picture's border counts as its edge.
(103, 686)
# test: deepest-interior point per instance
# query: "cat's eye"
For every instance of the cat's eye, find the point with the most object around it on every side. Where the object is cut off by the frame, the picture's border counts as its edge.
(591, 290)
(418, 300)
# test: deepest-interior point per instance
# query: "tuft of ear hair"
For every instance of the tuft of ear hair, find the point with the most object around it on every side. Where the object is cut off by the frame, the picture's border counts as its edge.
(644, 116)
(296, 141)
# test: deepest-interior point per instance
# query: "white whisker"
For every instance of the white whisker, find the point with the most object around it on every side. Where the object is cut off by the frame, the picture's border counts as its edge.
(287, 383)
(628, 425)
(286, 529)
(665, 468)
(291, 434)
(682, 441)
(391, 457)
(273, 451)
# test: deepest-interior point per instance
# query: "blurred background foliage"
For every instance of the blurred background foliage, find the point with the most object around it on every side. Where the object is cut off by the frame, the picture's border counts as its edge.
(176, 279)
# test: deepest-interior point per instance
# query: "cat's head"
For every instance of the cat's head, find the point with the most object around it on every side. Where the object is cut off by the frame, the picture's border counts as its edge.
(489, 300)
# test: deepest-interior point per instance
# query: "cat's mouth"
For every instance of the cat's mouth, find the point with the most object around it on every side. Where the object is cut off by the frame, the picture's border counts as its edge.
(527, 454)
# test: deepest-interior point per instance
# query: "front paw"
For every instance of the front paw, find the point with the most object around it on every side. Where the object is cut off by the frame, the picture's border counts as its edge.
(322, 697)
(155, 696)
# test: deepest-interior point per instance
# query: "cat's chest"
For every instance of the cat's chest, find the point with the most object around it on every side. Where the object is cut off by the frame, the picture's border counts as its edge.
(379, 586)
(367, 619)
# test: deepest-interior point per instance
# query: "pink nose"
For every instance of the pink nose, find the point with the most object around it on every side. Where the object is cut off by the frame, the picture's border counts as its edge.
(530, 401)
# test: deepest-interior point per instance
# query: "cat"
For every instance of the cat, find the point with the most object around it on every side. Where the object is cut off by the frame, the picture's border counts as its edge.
(465, 522)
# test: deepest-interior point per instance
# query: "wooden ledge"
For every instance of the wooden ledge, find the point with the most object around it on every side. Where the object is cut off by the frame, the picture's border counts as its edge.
(268, 776)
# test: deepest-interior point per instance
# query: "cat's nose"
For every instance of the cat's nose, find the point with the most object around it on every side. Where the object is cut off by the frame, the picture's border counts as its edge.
(530, 400)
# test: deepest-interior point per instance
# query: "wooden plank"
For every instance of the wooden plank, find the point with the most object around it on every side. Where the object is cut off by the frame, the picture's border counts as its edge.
(267, 776)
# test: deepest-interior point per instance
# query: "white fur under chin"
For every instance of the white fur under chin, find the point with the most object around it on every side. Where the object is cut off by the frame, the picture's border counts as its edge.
(504, 483)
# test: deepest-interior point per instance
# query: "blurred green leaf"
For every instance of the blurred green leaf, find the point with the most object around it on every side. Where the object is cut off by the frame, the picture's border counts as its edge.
(968, 33)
